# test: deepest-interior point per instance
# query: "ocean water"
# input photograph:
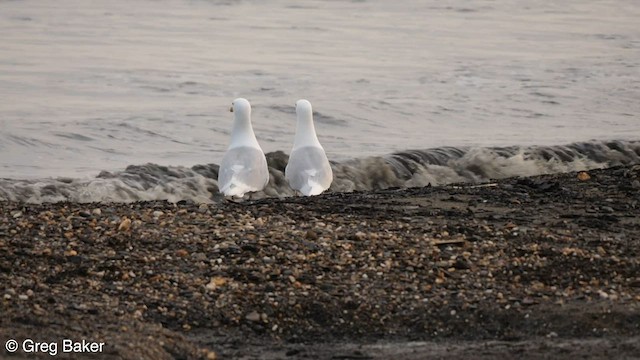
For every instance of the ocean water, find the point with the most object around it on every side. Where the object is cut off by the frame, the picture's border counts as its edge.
(124, 101)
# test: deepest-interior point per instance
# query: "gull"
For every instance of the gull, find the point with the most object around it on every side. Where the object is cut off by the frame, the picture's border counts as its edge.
(308, 170)
(244, 167)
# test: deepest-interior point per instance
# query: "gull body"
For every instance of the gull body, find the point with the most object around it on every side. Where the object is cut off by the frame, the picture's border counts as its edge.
(308, 170)
(244, 167)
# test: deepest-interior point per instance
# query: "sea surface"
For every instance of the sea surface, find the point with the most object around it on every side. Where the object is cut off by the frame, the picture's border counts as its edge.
(129, 100)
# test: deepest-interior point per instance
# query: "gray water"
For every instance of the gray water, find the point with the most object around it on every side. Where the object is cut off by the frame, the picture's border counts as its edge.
(91, 87)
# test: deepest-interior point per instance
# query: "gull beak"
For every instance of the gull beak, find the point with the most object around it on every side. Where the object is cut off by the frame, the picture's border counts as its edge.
(231, 109)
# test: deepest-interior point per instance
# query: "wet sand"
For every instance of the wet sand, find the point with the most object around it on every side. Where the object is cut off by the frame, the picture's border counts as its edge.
(540, 267)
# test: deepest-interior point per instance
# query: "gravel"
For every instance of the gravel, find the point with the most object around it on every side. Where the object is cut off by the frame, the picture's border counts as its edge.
(533, 262)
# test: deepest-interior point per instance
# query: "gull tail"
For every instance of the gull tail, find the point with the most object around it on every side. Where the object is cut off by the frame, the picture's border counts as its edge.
(312, 188)
(232, 189)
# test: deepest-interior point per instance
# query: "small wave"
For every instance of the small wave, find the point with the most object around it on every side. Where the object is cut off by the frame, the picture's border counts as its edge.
(26, 141)
(408, 168)
(73, 136)
(317, 116)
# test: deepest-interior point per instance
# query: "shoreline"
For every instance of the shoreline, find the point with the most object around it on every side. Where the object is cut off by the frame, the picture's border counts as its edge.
(544, 265)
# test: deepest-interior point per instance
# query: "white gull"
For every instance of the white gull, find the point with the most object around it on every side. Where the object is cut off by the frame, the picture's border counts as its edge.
(308, 170)
(244, 168)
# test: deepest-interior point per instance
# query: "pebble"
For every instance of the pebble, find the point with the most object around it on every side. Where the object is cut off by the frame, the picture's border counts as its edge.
(360, 235)
(583, 176)
(253, 316)
(96, 212)
(311, 235)
(199, 256)
(125, 225)
(528, 301)
(216, 282)
(182, 253)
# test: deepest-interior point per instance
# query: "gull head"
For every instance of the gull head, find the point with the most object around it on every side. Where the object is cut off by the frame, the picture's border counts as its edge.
(303, 108)
(241, 107)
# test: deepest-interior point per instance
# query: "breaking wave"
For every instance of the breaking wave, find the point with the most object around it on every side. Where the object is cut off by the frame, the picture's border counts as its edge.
(411, 168)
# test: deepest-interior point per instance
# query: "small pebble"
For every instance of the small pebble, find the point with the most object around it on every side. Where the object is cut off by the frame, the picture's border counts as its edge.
(253, 316)
(182, 253)
(311, 235)
(70, 252)
(583, 176)
(124, 225)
